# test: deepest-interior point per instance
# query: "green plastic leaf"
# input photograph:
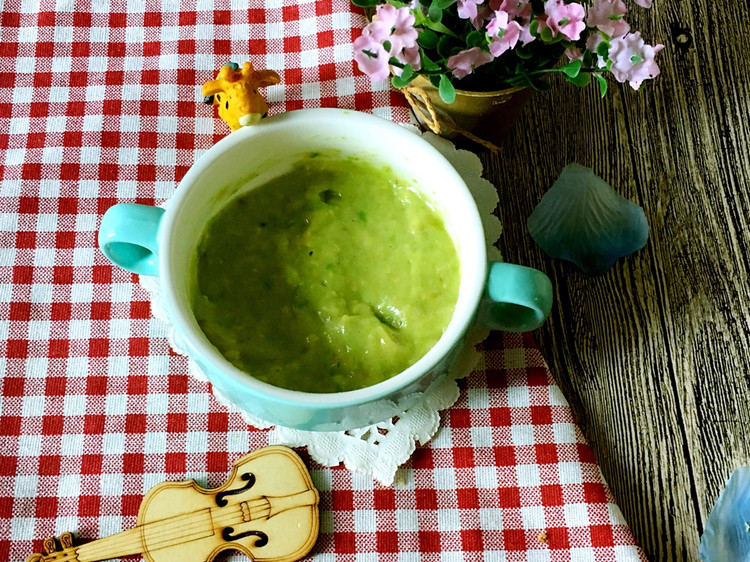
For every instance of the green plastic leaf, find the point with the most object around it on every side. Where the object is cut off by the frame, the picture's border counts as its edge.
(445, 46)
(523, 53)
(439, 27)
(602, 84)
(435, 12)
(407, 75)
(602, 49)
(572, 69)
(476, 39)
(428, 65)
(540, 84)
(398, 82)
(443, 4)
(419, 18)
(534, 27)
(446, 90)
(520, 79)
(546, 35)
(427, 39)
(435, 79)
(580, 79)
(366, 3)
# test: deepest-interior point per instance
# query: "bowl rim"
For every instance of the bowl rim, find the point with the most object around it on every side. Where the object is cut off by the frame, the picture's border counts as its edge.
(207, 355)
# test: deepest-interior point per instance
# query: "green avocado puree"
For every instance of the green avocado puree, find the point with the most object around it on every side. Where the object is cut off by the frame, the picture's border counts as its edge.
(332, 277)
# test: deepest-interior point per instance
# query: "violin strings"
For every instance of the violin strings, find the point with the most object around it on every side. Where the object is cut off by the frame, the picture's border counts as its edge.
(160, 533)
(134, 543)
(130, 541)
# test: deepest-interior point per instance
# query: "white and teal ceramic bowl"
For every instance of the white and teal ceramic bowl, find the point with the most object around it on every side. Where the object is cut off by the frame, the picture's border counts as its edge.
(149, 241)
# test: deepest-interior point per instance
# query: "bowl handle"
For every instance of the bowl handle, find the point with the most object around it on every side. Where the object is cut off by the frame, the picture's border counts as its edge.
(516, 298)
(128, 237)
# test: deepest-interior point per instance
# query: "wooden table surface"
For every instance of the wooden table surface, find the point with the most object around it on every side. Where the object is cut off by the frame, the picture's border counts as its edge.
(653, 355)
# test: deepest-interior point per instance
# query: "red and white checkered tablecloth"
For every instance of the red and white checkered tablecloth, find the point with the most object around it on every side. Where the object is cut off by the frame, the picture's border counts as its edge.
(99, 104)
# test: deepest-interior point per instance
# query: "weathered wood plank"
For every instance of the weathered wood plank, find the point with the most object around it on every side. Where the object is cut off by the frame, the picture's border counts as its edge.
(653, 355)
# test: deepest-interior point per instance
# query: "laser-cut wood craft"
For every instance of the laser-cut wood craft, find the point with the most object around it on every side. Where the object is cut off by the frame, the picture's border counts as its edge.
(267, 509)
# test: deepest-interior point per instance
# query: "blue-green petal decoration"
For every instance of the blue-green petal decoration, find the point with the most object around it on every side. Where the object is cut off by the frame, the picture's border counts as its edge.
(727, 533)
(583, 220)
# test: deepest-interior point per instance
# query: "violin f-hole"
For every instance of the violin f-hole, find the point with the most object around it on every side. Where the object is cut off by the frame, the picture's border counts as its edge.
(227, 535)
(248, 476)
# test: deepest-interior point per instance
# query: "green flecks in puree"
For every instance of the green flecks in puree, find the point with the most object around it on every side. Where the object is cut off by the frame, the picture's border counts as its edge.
(329, 278)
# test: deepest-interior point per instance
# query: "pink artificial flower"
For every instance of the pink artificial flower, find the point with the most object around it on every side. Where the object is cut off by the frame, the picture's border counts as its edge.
(371, 57)
(504, 33)
(395, 25)
(565, 19)
(573, 53)
(606, 16)
(520, 11)
(497, 24)
(643, 3)
(526, 36)
(483, 14)
(593, 40)
(467, 9)
(392, 25)
(464, 63)
(408, 56)
(633, 60)
(515, 8)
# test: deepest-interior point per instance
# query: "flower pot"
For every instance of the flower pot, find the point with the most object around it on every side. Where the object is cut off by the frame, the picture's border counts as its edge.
(484, 117)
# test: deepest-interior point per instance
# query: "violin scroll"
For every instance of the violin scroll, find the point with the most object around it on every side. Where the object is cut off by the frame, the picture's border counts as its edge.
(52, 554)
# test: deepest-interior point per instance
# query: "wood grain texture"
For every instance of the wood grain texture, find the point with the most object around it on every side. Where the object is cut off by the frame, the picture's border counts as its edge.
(653, 355)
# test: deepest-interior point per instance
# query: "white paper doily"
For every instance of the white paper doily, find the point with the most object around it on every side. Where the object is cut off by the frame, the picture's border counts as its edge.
(379, 450)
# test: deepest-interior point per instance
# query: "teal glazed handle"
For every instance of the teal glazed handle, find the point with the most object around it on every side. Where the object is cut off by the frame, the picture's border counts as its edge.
(127, 236)
(517, 298)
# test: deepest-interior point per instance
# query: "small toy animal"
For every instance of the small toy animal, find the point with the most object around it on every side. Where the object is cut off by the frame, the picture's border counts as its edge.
(235, 92)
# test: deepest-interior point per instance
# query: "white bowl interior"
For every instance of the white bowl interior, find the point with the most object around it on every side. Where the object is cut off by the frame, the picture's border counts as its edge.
(252, 155)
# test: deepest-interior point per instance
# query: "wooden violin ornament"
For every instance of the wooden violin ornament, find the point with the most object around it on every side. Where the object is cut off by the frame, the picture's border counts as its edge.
(267, 509)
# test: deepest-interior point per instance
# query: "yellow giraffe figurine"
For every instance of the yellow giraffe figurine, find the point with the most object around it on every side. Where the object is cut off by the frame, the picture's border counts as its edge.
(235, 93)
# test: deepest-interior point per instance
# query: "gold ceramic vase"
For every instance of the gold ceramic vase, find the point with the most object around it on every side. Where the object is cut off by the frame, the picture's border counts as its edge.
(484, 117)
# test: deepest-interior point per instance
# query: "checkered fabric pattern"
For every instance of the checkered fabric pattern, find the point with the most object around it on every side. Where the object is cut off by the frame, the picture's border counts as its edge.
(99, 104)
